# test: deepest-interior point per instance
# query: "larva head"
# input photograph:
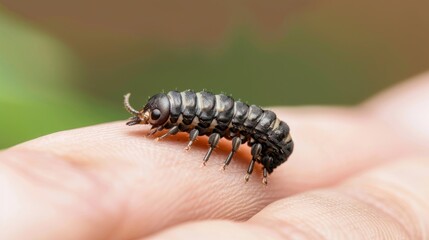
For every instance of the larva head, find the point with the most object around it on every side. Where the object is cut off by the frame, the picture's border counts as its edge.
(156, 111)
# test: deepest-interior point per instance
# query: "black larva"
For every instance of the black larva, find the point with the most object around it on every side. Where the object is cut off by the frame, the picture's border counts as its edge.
(217, 116)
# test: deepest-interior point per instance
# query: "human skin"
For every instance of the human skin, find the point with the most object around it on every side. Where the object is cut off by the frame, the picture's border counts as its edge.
(357, 172)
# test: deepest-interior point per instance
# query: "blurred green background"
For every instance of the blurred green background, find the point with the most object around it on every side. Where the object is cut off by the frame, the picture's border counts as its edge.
(67, 64)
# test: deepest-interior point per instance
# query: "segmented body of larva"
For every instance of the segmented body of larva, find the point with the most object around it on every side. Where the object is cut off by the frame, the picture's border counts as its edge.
(217, 116)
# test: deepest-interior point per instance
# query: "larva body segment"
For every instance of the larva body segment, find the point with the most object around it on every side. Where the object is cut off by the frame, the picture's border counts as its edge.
(217, 116)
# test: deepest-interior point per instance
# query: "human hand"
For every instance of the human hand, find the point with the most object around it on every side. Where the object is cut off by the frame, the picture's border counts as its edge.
(356, 173)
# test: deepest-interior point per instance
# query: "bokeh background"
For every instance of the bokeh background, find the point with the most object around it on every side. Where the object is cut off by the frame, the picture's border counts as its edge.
(66, 64)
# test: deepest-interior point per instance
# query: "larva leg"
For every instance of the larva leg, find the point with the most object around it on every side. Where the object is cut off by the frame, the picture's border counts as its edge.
(249, 170)
(153, 130)
(264, 179)
(174, 130)
(192, 137)
(236, 142)
(266, 161)
(256, 153)
(213, 141)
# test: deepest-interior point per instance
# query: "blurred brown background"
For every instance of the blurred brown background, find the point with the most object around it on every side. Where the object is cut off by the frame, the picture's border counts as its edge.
(68, 64)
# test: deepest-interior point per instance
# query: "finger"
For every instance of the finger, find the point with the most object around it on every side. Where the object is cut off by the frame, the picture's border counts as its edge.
(46, 197)
(389, 126)
(386, 203)
(154, 184)
(333, 143)
(404, 109)
(322, 136)
(159, 185)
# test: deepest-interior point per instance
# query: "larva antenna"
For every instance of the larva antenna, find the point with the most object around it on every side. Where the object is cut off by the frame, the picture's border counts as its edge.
(128, 106)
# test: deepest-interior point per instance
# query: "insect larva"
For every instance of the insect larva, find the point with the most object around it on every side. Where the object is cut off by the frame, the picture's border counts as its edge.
(218, 116)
